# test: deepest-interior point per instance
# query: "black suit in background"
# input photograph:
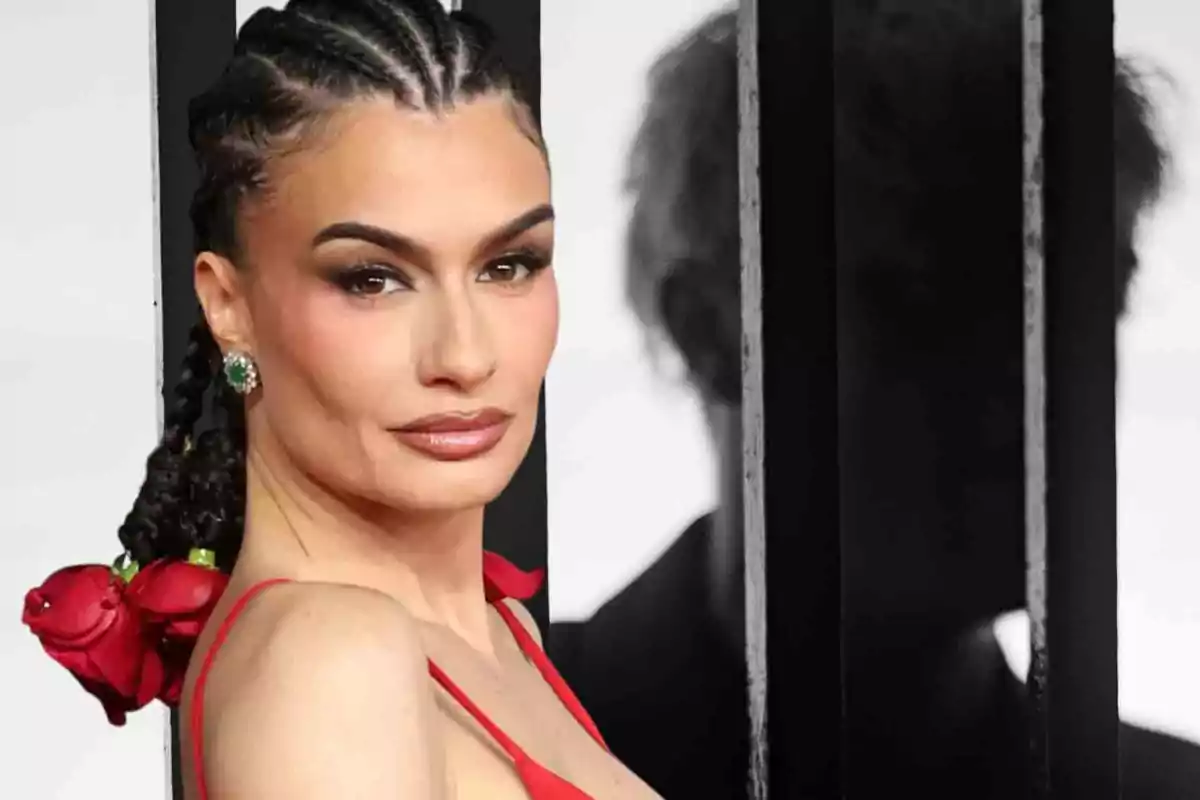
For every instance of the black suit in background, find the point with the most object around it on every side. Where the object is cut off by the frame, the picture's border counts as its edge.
(666, 690)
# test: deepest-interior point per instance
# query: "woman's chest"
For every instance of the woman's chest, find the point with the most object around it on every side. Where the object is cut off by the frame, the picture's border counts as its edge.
(518, 714)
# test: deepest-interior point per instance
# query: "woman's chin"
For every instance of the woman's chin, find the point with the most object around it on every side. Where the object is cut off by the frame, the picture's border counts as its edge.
(443, 487)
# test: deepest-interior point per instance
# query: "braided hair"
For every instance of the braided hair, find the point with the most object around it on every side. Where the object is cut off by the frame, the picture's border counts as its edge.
(290, 70)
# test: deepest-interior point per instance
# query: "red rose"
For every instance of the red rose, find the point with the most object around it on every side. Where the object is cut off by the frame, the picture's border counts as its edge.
(84, 622)
(127, 644)
(176, 598)
(177, 595)
(130, 643)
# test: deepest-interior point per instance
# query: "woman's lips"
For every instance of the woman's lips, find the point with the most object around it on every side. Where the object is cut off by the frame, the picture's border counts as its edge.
(456, 437)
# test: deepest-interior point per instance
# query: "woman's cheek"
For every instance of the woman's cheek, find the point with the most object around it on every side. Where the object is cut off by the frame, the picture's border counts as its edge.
(354, 355)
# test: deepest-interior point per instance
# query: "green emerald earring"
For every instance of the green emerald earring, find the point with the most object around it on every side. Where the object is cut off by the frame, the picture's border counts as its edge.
(241, 372)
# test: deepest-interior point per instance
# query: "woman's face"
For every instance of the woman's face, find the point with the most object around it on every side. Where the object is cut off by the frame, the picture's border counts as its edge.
(399, 271)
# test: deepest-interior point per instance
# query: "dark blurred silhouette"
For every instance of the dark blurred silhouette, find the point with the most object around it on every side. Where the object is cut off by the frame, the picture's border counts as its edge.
(929, 176)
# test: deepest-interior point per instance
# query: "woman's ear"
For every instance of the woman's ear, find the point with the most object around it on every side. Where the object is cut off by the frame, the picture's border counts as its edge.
(220, 289)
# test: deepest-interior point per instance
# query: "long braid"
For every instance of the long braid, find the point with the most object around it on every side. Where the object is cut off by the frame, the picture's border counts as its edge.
(290, 69)
(151, 529)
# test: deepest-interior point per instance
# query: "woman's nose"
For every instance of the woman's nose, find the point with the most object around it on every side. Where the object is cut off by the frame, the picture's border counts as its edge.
(460, 351)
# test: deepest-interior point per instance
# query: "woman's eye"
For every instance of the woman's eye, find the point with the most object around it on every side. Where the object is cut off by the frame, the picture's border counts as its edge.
(504, 272)
(371, 282)
(512, 269)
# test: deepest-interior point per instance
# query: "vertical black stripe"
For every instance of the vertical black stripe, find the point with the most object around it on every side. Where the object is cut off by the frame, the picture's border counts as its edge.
(193, 42)
(1080, 703)
(516, 523)
(790, 395)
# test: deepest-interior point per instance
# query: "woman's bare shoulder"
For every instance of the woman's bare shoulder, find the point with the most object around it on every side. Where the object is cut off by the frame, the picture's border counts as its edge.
(331, 680)
(318, 623)
(524, 617)
(309, 613)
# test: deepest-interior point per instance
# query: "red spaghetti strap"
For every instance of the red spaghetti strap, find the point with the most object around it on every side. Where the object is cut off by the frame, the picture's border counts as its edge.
(509, 746)
(197, 716)
(534, 653)
(500, 578)
(541, 783)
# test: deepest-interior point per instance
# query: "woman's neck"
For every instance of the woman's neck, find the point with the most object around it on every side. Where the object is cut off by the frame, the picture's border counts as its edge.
(429, 563)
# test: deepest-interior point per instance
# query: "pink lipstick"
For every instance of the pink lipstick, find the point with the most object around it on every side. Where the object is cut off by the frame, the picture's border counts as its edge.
(457, 436)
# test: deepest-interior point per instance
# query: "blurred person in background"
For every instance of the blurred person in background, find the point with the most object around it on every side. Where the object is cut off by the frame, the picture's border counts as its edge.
(929, 177)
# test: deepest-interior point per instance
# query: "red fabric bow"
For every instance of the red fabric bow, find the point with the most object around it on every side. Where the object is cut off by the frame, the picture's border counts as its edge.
(502, 578)
(127, 644)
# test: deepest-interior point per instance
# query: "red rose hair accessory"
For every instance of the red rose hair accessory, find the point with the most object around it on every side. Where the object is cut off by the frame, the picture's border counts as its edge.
(126, 633)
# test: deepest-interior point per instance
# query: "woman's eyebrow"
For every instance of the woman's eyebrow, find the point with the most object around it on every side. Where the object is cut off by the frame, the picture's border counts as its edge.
(410, 248)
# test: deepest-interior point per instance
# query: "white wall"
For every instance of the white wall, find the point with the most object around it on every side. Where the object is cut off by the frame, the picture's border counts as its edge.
(78, 367)
(247, 7)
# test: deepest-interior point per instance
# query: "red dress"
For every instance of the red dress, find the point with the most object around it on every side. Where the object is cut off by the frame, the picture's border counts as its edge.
(501, 580)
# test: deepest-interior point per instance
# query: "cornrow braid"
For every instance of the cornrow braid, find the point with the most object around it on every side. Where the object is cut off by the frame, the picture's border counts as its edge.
(308, 46)
(477, 64)
(291, 68)
(440, 48)
(396, 33)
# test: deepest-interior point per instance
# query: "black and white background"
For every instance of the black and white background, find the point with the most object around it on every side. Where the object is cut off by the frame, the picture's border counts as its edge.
(626, 460)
